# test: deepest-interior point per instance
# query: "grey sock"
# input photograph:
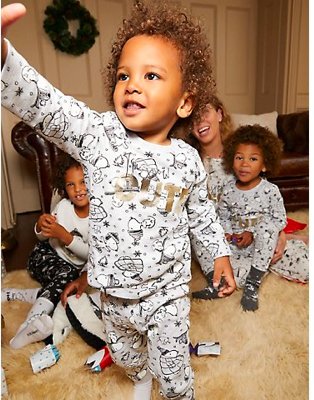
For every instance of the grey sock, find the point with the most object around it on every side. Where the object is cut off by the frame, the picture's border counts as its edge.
(209, 293)
(249, 300)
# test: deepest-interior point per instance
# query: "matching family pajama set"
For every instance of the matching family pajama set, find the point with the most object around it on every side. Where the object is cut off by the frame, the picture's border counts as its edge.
(147, 204)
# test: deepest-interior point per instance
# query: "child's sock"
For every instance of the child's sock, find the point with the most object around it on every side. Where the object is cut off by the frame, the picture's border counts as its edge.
(37, 326)
(249, 300)
(210, 292)
(36, 330)
(143, 388)
(27, 295)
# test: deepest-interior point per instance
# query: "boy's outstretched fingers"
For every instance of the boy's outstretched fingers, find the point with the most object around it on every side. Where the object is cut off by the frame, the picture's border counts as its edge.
(10, 14)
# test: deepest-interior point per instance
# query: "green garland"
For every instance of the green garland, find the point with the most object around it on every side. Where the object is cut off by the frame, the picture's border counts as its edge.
(57, 27)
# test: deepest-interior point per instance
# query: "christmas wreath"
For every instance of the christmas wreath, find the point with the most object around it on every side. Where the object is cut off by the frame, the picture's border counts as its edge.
(57, 27)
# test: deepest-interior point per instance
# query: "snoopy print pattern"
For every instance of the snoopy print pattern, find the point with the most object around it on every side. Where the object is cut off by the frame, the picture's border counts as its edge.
(146, 201)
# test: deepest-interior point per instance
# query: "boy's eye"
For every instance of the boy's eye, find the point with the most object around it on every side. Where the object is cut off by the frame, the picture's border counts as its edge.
(253, 159)
(152, 76)
(69, 184)
(122, 77)
(238, 158)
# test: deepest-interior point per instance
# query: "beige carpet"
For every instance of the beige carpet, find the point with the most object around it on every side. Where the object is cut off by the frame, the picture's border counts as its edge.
(264, 354)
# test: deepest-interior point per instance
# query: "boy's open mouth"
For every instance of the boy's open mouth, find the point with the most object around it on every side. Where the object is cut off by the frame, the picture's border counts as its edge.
(132, 105)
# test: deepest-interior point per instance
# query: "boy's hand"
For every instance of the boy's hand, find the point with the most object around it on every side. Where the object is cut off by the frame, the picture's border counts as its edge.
(57, 231)
(78, 286)
(49, 227)
(9, 14)
(243, 239)
(228, 237)
(44, 221)
(223, 277)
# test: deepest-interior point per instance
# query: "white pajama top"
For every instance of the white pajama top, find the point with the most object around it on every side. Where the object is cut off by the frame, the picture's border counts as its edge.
(146, 200)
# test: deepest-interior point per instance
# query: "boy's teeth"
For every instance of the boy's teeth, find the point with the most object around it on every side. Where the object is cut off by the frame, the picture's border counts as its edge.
(133, 105)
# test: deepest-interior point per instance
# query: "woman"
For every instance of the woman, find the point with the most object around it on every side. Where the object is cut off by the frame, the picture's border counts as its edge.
(208, 137)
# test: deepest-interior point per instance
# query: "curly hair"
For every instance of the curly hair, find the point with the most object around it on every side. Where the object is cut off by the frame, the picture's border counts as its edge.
(157, 18)
(270, 145)
(65, 162)
(225, 126)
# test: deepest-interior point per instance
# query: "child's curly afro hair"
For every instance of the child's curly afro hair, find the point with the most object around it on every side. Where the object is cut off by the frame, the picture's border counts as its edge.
(270, 145)
(158, 18)
(65, 162)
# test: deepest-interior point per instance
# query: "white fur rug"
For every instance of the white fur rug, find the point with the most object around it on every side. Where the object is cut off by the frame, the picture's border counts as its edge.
(264, 354)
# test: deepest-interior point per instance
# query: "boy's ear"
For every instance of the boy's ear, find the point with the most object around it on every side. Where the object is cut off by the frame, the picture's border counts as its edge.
(186, 105)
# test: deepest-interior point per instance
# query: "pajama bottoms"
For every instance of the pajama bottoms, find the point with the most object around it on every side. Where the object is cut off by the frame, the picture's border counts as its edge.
(51, 271)
(152, 333)
(294, 264)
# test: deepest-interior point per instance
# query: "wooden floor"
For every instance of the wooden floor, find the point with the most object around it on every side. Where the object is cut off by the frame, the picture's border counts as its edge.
(25, 237)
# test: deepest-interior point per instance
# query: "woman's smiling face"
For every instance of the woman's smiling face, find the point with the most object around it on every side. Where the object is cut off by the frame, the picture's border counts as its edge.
(208, 129)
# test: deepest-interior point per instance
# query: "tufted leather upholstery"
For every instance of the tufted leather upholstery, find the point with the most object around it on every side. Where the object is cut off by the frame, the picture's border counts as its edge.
(292, 179)
(44, 154)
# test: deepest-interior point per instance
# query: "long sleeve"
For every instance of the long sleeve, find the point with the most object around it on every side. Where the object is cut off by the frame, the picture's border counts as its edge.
(39, 235)
(79, 247)
(145, 198)
(206, 232)
(277, 209)
(224, 215)
(77, 251)
(241, 210)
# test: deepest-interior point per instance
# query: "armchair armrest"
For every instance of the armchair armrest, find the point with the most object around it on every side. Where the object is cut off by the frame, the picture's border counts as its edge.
(293, 129)
(42, 153)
